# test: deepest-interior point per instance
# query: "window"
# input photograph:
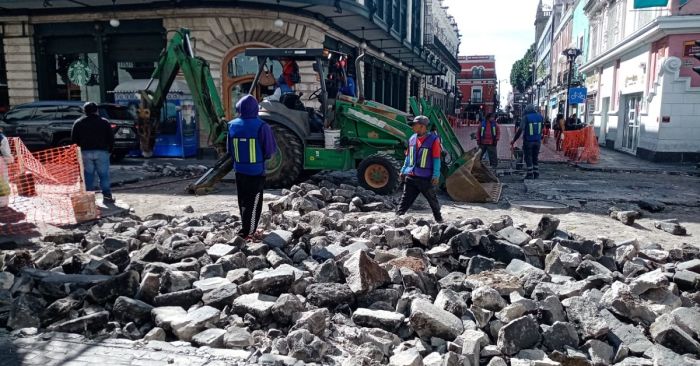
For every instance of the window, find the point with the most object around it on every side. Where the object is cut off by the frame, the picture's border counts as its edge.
(477, 72)
(111, 112)
(45, 113)
(19, 114)
(476, 95)
(70, 112)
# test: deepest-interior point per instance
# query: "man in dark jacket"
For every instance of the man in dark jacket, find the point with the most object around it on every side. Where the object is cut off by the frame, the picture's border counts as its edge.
(421, 169)
(251, 143)
(95, 137)
(487, 138)
(531, 127)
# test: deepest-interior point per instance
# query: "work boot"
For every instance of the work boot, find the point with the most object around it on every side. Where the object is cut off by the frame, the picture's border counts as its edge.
(536, 175)
(528, 176)
(108, 199)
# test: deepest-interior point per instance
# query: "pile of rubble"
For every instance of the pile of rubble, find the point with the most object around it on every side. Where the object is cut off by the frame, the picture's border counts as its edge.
(344, 198)
(171, 170)
(327, 287)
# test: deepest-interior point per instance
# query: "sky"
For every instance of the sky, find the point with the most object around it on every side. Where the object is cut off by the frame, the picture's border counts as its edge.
(504, 28)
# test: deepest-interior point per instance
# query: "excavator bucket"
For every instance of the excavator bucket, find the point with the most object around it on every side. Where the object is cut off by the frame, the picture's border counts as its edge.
(470, 181)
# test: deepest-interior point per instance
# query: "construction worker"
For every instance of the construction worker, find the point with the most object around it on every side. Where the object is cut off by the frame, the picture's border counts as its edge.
(531, 127)
(95, 137)
(251, 143)
(421, 169)
(487, 138)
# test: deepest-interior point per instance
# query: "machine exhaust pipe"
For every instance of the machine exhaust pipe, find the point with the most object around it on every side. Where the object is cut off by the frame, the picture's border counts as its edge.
(360, 77)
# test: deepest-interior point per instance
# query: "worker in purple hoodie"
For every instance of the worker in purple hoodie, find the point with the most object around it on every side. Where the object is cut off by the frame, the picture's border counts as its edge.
(251, 143)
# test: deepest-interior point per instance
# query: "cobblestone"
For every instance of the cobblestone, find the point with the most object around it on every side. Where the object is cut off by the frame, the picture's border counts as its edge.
(64, 350)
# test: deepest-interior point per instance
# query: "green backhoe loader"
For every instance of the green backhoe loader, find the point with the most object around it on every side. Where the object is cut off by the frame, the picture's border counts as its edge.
(355, 134)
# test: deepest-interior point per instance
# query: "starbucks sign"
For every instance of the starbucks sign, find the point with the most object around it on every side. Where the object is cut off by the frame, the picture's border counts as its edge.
(79, 72)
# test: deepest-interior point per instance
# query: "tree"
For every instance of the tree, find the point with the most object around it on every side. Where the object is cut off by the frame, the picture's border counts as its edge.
(520, 73)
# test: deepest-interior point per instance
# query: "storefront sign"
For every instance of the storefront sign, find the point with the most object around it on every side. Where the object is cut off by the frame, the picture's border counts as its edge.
(577, 95)
(689, 49)
(79, 72)
(632, 80)
(592, 82)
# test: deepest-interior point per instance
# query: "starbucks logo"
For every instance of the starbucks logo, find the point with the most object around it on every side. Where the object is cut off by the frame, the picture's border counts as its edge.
(79, 73)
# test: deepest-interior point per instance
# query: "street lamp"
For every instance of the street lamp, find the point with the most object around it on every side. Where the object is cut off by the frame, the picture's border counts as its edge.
(571, 54)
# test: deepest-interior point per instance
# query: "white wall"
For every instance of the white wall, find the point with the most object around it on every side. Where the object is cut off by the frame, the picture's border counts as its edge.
(681, 102)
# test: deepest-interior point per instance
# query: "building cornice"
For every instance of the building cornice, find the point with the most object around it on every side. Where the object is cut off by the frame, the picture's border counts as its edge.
(657, 29)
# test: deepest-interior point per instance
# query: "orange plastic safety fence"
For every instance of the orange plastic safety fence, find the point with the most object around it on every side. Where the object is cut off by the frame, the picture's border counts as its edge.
(581, 145)
(44, 187)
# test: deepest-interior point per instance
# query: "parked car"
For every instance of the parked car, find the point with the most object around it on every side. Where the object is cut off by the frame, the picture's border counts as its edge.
(46, 124)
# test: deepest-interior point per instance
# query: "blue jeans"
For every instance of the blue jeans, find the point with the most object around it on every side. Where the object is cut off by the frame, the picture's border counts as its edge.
(97, 161)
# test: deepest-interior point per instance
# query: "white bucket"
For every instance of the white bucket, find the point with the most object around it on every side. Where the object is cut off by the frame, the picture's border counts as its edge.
(332, 138)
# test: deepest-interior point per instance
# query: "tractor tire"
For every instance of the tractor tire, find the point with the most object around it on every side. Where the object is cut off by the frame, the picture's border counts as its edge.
(285, 167)
(379, 173)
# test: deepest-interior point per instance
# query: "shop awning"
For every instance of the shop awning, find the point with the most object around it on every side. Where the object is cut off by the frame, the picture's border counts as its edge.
(641, 4)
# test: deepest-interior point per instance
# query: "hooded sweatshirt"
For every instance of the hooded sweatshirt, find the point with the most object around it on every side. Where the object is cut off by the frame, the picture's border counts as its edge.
(249, 137)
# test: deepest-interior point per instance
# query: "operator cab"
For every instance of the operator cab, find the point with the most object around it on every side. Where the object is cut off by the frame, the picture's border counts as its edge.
(280, 88)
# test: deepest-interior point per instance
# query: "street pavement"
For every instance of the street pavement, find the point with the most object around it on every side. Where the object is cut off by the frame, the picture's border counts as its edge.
(548, 151)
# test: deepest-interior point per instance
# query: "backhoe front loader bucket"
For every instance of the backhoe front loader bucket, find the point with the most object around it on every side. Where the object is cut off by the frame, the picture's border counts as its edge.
(469, 181)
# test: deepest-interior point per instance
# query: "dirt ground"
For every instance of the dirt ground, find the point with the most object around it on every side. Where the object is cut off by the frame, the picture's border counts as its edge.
(589, 194)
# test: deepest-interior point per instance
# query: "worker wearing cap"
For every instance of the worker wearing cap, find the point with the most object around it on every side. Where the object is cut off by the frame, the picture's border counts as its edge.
(531, 128)
(251, 143)
(421, 169)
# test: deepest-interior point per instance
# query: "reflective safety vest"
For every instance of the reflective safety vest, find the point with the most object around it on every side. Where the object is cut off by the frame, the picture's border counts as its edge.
(245, 148)
(533, 127)
(493, 131)
(420, 159)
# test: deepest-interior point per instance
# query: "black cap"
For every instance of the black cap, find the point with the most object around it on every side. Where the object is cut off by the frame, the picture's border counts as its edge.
(423, 120)
(90, 108)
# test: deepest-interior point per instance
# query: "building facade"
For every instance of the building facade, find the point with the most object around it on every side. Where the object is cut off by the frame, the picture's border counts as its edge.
(544, 24)
(478, 85)
(441, 36)
(43, 42)
(639, 68)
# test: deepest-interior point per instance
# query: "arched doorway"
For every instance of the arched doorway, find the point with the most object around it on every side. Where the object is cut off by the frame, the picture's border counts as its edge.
(238, 72)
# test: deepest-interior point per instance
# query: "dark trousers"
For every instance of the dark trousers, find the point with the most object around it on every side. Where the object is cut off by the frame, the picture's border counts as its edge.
(531, 150)
(412, 188)
(492, 152)
(250, 200)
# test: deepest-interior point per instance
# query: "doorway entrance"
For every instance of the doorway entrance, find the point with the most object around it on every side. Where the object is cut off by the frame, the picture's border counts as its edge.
(604, 109)
(631, 122)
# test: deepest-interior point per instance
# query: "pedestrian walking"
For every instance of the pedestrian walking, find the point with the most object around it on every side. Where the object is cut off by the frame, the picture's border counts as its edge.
(95, 137)
(5, 160)
(487, 138)
(531, 128)
(559, 127)
(251, 142)
(421, 169)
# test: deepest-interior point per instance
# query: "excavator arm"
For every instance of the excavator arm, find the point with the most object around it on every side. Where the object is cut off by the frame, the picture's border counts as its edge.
(179, 56)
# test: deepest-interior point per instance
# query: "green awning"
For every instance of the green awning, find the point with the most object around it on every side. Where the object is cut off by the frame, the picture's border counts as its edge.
(641, 4)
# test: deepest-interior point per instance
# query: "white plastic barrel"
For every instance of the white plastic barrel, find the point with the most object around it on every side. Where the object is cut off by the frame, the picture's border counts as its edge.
(332, 138)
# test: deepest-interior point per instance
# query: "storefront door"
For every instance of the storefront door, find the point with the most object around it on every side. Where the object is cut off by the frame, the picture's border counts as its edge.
(630, 128)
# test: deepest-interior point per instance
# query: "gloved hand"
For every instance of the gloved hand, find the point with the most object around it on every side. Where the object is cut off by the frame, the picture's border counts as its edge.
(435, 181)
(402, 177)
